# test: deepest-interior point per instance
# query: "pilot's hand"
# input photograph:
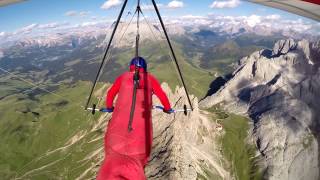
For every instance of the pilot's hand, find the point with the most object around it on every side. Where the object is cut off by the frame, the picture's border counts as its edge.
(107, 110)
(168, 111)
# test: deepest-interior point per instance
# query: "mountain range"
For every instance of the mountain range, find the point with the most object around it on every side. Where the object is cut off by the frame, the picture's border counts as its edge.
(279, 90)
(236, 66)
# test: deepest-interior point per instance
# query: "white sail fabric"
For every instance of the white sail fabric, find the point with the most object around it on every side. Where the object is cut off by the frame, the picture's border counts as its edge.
(310, 9)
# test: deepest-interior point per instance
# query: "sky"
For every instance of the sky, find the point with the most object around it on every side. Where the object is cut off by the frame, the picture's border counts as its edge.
(45, 13)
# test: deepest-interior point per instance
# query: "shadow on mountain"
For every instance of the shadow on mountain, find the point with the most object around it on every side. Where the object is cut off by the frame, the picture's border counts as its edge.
(245, 94)
(266, 53)
(28, 110)
(261, 100)
(206, 33)
(264, 105)
(61, 103)
(216, 84)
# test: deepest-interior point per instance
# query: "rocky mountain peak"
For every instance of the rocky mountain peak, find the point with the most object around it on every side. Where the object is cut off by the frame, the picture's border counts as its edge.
(283, 47)
(311, 50)
(183, 145)
(279, 90)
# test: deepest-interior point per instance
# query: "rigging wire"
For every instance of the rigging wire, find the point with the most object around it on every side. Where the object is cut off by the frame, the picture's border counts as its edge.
(33, 84)
(129, 12)
(106, 52)
(57, 95)
(161, 48)
(173, 57)
(127, 27)
(39, 85)
(136, 76)
(160, 45)
(161, 38)
(172, 52)
(116, 43)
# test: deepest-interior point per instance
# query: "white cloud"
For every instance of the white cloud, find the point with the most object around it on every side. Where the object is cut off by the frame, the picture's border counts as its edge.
(52, 25)
(265, 25)
(84, 13)
(273, 17)
(111, 3)
(27, 29)
(170, 5)
(71, 13)
(48, 26)
(200, 20)
(175, 4)
(193, 17)
(76, 13)
(225, 4)
(4, 36)
(30, 27)
(1, 54)
(94, 17)
(253, 20)
(298, 25)
(148, 7)
(89, 24)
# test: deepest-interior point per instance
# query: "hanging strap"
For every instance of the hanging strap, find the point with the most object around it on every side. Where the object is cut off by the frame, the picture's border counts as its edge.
(136, 76)
(138, 11)
(172, 52)
(106, 52)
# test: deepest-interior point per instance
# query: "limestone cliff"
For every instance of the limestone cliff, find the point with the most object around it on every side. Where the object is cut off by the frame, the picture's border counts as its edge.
(279, 90)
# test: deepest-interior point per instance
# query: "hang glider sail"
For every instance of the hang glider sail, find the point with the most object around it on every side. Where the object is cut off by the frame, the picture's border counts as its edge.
(306, 8)
(8, 2)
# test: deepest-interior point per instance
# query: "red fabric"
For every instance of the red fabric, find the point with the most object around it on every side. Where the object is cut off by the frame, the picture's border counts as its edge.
(120, 167)
(313, 1)
(156, 89)
(113, 92)
(130, 149)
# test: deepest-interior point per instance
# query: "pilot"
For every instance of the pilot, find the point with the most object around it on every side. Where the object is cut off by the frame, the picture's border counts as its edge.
(127, 152)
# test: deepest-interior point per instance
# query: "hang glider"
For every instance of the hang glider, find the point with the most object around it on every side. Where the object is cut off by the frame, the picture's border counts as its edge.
(136, 76)
(306, 8)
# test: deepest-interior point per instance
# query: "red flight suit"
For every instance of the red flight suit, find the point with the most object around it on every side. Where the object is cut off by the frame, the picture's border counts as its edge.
(127, 153)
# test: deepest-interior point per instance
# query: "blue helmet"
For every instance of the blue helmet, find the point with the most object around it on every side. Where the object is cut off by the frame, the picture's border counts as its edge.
(139, 62)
